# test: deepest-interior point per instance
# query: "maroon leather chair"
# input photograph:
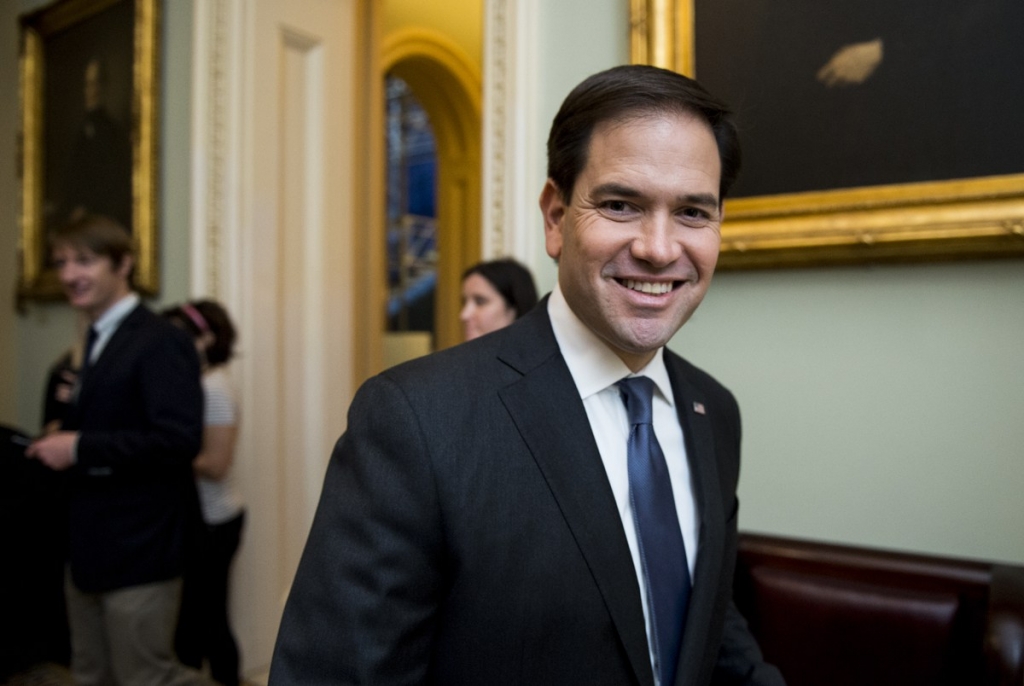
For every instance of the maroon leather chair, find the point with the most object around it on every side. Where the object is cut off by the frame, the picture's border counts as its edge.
(832, 615)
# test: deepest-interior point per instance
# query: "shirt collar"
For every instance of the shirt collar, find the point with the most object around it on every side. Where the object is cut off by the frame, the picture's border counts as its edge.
(592, 364)
(115, 314)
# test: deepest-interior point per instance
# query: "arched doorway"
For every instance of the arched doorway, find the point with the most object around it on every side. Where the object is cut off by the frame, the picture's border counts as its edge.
(448, 86)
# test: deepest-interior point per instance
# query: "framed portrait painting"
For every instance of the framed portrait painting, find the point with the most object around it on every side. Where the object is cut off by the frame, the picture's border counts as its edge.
(871, 130)
(89, 129)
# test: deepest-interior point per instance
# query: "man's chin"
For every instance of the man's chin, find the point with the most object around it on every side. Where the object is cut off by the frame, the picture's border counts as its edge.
(79, 302)
(641, 340)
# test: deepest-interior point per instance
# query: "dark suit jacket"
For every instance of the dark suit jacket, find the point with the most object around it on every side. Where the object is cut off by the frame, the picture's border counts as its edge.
(140, 417)
(467, 533)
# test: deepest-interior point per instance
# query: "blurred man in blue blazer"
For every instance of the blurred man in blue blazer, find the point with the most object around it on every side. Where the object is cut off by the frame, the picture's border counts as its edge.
(127, 445)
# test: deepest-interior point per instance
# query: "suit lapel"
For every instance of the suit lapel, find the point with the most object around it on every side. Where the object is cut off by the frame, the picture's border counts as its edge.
(112, 351)
(700, 451)
(549, 415)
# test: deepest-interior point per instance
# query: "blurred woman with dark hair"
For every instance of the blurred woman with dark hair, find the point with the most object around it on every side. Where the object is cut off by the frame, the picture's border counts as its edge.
(495, 294)
(203, 629)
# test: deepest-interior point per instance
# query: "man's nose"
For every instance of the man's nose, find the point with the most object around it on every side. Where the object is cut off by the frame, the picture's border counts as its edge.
(658, 243)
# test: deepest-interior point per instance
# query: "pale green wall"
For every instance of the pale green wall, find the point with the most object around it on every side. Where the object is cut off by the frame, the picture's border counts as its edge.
(32, 341)
(882, 405)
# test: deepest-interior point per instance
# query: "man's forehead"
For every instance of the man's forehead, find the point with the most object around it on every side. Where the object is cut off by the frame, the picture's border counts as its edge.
(613, 173)
(628, 126)
(74, 250)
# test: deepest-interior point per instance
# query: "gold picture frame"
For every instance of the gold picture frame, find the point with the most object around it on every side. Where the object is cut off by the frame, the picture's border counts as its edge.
(89, 135)
(940, 220)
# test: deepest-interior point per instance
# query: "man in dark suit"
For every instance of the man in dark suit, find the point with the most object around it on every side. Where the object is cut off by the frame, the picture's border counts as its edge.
(127, 445)
(500, 512)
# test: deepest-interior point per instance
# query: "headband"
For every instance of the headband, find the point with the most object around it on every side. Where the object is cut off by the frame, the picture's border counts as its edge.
(196, 318)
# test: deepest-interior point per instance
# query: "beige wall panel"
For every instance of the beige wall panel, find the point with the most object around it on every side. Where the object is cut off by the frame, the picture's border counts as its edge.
(278, 211)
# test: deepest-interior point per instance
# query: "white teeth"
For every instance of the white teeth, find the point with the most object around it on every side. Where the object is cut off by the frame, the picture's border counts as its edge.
(654, 288)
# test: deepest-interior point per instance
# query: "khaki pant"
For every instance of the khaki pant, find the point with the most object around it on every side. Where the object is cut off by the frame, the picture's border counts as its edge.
(126, 637)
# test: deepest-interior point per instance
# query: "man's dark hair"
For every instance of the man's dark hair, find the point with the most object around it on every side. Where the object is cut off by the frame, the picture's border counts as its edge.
(512, 280)
(97, 233)
(199, 317)
(627, 92)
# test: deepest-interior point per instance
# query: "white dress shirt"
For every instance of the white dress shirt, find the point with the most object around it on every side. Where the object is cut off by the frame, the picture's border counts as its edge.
(595, 369)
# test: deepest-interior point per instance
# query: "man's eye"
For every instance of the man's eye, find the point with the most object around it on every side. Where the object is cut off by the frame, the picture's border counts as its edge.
(617, 206)
(696, 214)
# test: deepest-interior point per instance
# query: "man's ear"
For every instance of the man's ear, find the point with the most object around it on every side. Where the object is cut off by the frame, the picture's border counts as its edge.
(125, 268)
(553, 209)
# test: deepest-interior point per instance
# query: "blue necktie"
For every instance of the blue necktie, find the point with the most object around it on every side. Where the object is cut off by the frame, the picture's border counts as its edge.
(662, 552)
(90, 343)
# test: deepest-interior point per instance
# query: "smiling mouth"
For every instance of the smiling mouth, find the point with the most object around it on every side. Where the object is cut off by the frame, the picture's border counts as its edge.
(76, 293)
(648, 287)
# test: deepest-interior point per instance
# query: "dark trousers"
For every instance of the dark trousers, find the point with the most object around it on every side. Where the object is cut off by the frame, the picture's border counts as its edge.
(203, 628)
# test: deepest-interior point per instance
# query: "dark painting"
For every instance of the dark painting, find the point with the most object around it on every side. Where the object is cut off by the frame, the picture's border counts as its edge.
(87, 97)
(89, 129)
(835, 95)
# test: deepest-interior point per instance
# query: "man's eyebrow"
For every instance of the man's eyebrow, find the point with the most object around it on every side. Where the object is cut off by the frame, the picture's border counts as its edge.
(704, 199)
(612, 188)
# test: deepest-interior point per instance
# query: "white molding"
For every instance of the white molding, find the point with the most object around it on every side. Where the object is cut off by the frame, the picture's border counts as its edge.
(217, 127)
(513, 148)
(494, 221)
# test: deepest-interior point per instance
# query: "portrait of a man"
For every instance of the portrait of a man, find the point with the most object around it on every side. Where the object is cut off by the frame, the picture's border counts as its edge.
(87, 118)
(90, 98)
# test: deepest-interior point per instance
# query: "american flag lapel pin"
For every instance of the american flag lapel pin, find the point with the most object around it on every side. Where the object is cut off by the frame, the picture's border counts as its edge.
(699, 408)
